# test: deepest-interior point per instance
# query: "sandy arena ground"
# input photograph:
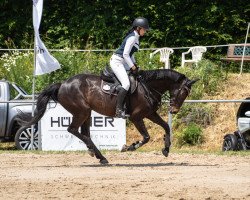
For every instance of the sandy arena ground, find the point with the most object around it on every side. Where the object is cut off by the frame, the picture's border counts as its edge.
(133, 175)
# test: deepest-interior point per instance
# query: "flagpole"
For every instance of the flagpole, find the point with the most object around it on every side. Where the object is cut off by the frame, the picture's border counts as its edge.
(33, 95)
(244, 49)
(43, 61)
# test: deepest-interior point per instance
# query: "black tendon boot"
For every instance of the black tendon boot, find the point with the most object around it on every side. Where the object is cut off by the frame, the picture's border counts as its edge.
(120, 113)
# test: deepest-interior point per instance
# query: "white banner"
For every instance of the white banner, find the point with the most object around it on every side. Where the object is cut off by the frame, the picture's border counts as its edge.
(37, 14)
(45, 63)
(106, 132)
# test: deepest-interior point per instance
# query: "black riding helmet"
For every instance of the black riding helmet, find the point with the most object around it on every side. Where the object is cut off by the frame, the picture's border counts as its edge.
(141, 22)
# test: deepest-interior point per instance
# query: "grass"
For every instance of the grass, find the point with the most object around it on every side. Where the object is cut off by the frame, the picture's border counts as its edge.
(195, 150)
(214, 152)
(9, 147)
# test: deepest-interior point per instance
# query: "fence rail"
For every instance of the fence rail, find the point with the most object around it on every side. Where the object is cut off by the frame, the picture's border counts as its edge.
(186, 101)
(101, 50)
(217, 101)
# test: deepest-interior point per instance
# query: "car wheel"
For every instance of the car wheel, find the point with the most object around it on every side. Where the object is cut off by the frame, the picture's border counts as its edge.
(23, 139)
(230, 143)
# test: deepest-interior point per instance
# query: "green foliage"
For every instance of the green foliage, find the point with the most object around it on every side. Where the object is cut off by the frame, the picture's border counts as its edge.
(191, 135)
(21, 69)
(17, 67)
(73, 63)
(196, 116)
(102, 24)
(210, 75)
(234, 67)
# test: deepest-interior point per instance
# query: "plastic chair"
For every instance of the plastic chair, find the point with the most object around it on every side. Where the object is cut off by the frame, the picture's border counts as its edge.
(197, 52)
(164, 55)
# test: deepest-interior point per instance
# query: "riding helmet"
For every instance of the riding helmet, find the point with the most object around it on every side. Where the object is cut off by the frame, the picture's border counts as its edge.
(141, 22)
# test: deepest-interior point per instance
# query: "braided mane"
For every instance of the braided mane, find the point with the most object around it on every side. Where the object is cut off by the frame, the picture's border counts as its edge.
(159, 74)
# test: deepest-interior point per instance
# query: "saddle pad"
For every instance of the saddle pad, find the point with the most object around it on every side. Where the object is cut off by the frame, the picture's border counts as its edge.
(108, 88)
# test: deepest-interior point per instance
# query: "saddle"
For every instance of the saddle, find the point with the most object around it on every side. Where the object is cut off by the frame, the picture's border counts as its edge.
(111, 85)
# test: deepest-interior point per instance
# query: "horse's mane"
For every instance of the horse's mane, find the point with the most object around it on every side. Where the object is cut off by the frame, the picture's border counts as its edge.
(160, 74)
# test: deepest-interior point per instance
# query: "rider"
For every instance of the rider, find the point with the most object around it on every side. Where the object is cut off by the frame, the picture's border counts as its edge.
(123, 60)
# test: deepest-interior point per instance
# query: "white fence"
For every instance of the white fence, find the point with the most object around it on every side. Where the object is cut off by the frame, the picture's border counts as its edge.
(111, 50)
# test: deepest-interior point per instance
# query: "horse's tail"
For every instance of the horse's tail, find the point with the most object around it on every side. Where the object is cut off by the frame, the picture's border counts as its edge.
(50, 92)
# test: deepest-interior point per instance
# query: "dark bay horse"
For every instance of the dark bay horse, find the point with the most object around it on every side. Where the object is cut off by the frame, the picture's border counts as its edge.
(82, 93)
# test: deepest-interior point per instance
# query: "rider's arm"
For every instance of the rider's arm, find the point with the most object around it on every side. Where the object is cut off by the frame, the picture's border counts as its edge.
(127, 49)
(133, 59)
(135, 66)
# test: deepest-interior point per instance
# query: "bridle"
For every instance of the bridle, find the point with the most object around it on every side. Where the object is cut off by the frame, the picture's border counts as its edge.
(175, 98)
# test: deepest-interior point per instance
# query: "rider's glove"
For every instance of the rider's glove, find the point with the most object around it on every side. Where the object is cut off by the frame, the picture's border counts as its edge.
(135, 71)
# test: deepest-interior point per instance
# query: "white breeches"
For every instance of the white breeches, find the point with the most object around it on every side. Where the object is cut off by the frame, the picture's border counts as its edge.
(118, 66)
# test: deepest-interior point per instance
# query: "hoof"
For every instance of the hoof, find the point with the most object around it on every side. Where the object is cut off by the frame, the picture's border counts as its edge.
(124, 148)
(91, 152)
(165, 152)
(131, 148)
(104, 161)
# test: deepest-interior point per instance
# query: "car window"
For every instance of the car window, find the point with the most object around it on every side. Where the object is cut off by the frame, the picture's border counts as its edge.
(23, 91)
(13, 92)
(0, 92)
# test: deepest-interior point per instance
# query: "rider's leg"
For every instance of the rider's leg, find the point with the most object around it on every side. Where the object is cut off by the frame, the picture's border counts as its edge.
(120, 112)
(121, 74)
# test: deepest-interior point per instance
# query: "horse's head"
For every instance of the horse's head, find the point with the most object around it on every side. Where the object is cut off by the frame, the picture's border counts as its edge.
(179, 93)
(177, 84)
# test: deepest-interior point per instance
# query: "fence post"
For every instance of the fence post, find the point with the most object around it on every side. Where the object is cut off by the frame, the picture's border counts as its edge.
(170, 126)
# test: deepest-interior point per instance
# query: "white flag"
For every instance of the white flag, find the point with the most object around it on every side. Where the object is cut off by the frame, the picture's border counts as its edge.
(45, 63)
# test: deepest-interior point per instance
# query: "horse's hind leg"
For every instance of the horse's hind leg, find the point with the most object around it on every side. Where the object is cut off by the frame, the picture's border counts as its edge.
(77, 121)
(139, 124)
(85, 130)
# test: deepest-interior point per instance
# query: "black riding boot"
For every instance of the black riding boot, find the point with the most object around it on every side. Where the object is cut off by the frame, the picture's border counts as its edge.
(120, 113)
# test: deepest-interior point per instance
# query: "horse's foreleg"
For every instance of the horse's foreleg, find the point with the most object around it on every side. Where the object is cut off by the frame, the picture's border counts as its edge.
(158, 120)
(139, 124)
(73, 128)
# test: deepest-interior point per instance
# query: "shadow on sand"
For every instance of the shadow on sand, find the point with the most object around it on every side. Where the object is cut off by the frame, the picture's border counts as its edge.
(146, 165)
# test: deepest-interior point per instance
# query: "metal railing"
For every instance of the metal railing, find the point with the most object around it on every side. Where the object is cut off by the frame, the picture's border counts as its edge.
(186, 101)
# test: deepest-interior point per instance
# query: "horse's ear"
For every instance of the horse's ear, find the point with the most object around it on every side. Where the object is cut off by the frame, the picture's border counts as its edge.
(191, 82)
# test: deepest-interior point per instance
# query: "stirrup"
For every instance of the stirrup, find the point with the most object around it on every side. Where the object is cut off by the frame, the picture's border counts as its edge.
(121, 114)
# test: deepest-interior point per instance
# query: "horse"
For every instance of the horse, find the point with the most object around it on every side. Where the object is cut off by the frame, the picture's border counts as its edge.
(82, 93)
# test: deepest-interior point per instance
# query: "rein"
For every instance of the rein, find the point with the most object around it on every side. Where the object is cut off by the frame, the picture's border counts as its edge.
(149, 95)
(173, 99)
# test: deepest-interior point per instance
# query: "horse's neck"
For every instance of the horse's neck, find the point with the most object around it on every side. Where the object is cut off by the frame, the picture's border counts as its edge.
(161, 86)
